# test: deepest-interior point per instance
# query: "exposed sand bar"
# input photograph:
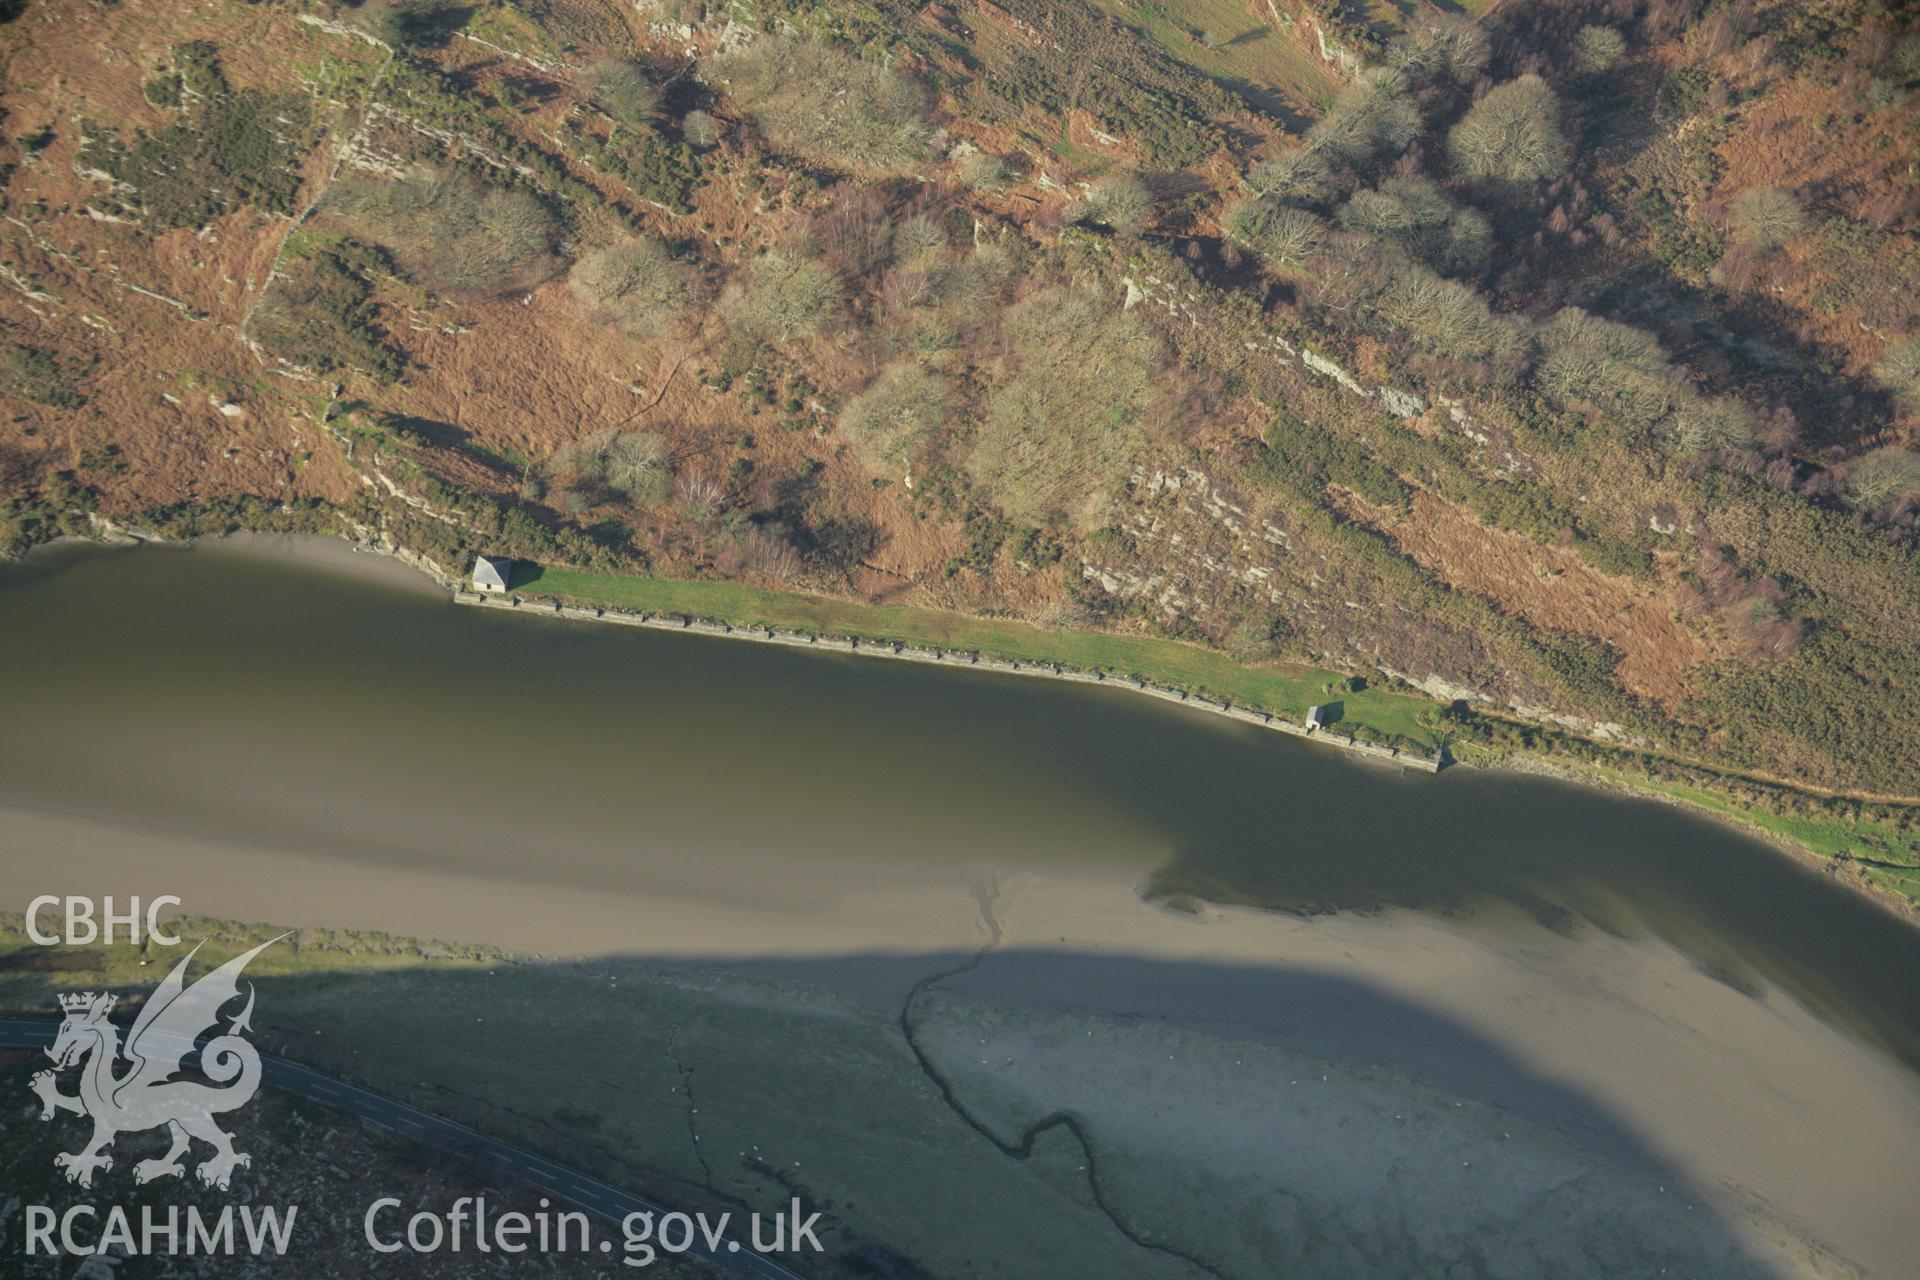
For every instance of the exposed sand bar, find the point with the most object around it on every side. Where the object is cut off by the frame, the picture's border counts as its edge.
(744, 906)
(1754, 1096)
(337, 555)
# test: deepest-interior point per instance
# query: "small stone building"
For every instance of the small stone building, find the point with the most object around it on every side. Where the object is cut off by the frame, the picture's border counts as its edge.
(1316, 718)
(492, 573)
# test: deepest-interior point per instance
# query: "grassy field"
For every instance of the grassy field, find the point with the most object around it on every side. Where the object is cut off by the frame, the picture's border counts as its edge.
(1223, 41)
(1289, 690)
(1885, 854)
(28, 973)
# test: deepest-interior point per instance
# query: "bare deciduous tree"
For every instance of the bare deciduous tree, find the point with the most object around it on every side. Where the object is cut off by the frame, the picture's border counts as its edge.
(1121, 205)
(632, 464)
(1703, 424)
(1279, 237)
(453, 231)
(1373, 118)
(1605, 365)
(1295, 176)
(893, 421)
(1512, 134)
(1444, 316)
(1061, 429)
(783, 297)
(1413, 212)
(1598, 48)
(819, 101)
(1899, 371)
(635, 284)
(1883, 474)
(623, 90)
(701, 129)
(1454, 48)
(1766, 218)
(918, 239)
(931, 299)
(979, 169)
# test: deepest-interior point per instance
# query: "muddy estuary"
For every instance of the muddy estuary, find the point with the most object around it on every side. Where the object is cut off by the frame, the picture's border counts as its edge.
(1309, 1015)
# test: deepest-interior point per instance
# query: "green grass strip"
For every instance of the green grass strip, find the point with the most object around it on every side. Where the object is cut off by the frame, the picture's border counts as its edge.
(1285, 689)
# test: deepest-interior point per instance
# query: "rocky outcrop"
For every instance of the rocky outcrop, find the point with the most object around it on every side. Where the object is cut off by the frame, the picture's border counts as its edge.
(1153, 291)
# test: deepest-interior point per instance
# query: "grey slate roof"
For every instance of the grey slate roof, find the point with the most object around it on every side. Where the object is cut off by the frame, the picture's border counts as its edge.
(492, 571)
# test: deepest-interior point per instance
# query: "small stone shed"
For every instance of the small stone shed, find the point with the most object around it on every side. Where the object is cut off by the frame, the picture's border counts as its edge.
(492, 573)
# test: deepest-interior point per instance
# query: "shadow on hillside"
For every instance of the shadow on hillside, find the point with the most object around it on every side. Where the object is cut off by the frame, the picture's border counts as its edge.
(1732, 339)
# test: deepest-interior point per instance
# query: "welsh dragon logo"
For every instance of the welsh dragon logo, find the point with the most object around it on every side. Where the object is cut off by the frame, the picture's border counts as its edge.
(145, 1095)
